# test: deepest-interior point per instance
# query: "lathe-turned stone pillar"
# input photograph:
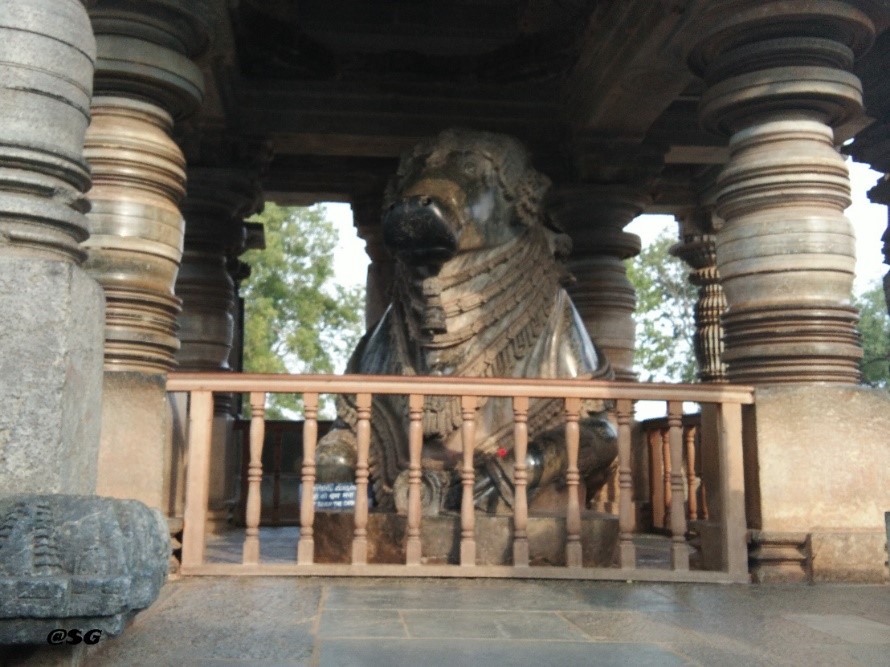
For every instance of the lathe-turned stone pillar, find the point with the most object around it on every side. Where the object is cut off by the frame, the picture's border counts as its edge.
(778, 79)
(594, 216)
(217, 201)
(145, 78)
(880, 194)
(698, 249)
(872, 146)
(366, 214)
(786, 252)
(51, 311)
(67, 557)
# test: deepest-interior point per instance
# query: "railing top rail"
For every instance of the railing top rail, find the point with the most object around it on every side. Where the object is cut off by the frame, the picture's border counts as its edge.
(460, 386)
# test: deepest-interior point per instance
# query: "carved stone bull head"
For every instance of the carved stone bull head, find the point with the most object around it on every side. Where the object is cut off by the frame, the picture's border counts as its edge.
(462, 191)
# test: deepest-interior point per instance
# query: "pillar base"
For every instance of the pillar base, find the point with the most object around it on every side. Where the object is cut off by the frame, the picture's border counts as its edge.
(818, 483)
(134, 441)
(51, 314)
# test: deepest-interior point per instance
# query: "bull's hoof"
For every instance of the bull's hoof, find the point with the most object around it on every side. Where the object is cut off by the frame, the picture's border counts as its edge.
(336, 457)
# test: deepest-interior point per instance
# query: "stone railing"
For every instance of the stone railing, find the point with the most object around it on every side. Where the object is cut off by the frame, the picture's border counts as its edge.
(721, 434)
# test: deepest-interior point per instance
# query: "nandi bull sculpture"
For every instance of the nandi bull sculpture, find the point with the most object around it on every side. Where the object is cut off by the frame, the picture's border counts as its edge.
(476, 294)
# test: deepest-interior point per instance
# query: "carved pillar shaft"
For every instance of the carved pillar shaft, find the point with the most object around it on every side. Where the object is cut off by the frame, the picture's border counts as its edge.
(786, 251)
(145, 79)
(698, 249)
(778, 82)
(136, 230)
(594, 217)
(65, 554)
(50, 310)
(217, 202)
(881, 193)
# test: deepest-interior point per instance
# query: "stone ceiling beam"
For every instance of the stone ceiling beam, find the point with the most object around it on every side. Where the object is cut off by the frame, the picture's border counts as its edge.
(631, 66)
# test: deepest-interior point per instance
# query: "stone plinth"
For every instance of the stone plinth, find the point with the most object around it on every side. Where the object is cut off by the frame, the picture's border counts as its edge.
(135, 432)
(440, 537)
(818, 482)
(51, 370)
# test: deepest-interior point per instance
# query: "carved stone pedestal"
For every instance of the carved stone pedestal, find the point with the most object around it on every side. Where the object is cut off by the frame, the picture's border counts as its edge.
(441, 538)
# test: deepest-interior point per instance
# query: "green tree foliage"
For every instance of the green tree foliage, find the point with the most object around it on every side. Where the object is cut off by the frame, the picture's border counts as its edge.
(874, 329)
(296, 319)
(664, 314)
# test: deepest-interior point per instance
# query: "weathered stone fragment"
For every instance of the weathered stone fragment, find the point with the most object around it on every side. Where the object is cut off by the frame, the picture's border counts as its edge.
(76, 562)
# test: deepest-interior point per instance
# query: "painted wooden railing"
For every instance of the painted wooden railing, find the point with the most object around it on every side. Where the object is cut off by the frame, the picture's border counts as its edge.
(721, 431)
(664, 474)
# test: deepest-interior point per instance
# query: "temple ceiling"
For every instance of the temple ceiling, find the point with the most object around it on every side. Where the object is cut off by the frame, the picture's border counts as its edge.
(599, 90)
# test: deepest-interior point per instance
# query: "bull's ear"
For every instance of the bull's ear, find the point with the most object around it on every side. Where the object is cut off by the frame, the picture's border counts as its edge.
(530, 193)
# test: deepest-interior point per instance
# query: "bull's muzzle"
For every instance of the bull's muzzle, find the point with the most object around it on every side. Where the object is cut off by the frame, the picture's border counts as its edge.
(420, 231)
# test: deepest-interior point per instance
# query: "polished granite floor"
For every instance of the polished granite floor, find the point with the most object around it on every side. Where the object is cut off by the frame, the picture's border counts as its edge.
(306, 621)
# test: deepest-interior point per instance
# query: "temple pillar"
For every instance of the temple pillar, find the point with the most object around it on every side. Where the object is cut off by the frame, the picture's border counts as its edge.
(594, 217)
(381, 271)
(698, 249)
(51, 310)
(67, 556)
(217, 201)
(778, 80)
(145, 78)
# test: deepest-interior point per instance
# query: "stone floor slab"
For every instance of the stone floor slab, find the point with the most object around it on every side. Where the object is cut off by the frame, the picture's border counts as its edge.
(853, 629)
(228, 621)
(473, 653)
(372, 623)
(463, 624)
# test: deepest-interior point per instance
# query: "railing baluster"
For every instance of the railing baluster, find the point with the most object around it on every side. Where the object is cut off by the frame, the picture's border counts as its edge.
(666, 477)
(363, 443)
(732, 487)
(689, 433)
(679, 550)
(573, 508)
(251, 554)
(306, 546)
(467, 476)
(520, 481)
(656, 477)
(415, 445)
(276, 479)
(627, 551)
(197, 478)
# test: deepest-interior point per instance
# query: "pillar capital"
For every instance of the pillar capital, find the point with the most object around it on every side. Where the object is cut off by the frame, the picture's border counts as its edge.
(594, 216)
(146, 51)
(218, 199)
(781, 58)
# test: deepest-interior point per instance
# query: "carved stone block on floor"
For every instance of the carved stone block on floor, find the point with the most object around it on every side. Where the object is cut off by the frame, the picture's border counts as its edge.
(76, 562)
